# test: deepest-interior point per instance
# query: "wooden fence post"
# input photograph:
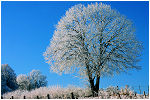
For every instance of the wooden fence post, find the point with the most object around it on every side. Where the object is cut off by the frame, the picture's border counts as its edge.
(118, 94)
(37, 97)
(24, 97)
(48, 96)
(144, 94)
(130, 97)
(135, 94)
(72, 96)
(12, 97)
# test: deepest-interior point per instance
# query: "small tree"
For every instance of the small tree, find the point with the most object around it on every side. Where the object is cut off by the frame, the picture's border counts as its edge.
(34, 80)
(96, 40)
(23, 82)
(8, 79)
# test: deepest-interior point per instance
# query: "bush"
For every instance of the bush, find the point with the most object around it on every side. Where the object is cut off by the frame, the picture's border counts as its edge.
(57, 92)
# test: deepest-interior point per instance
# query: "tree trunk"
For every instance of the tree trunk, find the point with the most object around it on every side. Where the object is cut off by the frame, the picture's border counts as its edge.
(91, 80)
(92, 86)
(95, 88)
(97, 85)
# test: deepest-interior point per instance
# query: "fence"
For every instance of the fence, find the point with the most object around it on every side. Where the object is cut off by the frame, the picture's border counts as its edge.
(37, 97)
(24, 97)
(119, 96)
(138, 91)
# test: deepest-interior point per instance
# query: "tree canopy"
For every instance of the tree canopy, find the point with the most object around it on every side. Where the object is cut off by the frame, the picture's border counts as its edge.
(96, 40)
(8, 79)
(34, 80)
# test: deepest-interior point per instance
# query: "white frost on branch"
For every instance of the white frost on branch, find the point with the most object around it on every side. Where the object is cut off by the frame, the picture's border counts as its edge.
(34, 80)
(95, 36)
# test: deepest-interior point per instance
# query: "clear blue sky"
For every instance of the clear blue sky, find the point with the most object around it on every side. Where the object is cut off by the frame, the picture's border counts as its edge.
(26, 29)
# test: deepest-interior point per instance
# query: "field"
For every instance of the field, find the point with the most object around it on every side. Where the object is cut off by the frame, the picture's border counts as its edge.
(72, 92)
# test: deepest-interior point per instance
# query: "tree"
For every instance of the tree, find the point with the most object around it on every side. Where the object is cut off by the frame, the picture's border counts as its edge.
(95, 41)
(23, 82)
(8, 79)
(34, 80)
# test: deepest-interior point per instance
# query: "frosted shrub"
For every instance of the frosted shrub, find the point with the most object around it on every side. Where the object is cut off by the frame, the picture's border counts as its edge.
(116, 93)
(126, 91)
(55, 92)
(58, 92)
(16, 94)
(112, 90)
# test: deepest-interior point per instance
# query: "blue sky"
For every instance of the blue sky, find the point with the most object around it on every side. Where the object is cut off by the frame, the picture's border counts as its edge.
(27, 27)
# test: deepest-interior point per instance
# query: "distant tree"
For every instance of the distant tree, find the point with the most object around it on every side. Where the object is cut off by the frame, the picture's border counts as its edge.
(34, 80)
(96, 40)
(23, 82)
(8, 79)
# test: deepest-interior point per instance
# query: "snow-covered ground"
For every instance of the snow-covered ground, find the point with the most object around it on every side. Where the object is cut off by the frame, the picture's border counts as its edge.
(57, 92)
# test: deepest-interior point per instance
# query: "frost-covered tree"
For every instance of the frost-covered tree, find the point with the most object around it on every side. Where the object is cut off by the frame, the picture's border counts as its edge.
(8, 79)
(23, 82)
(95, 40)
(34, 80)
